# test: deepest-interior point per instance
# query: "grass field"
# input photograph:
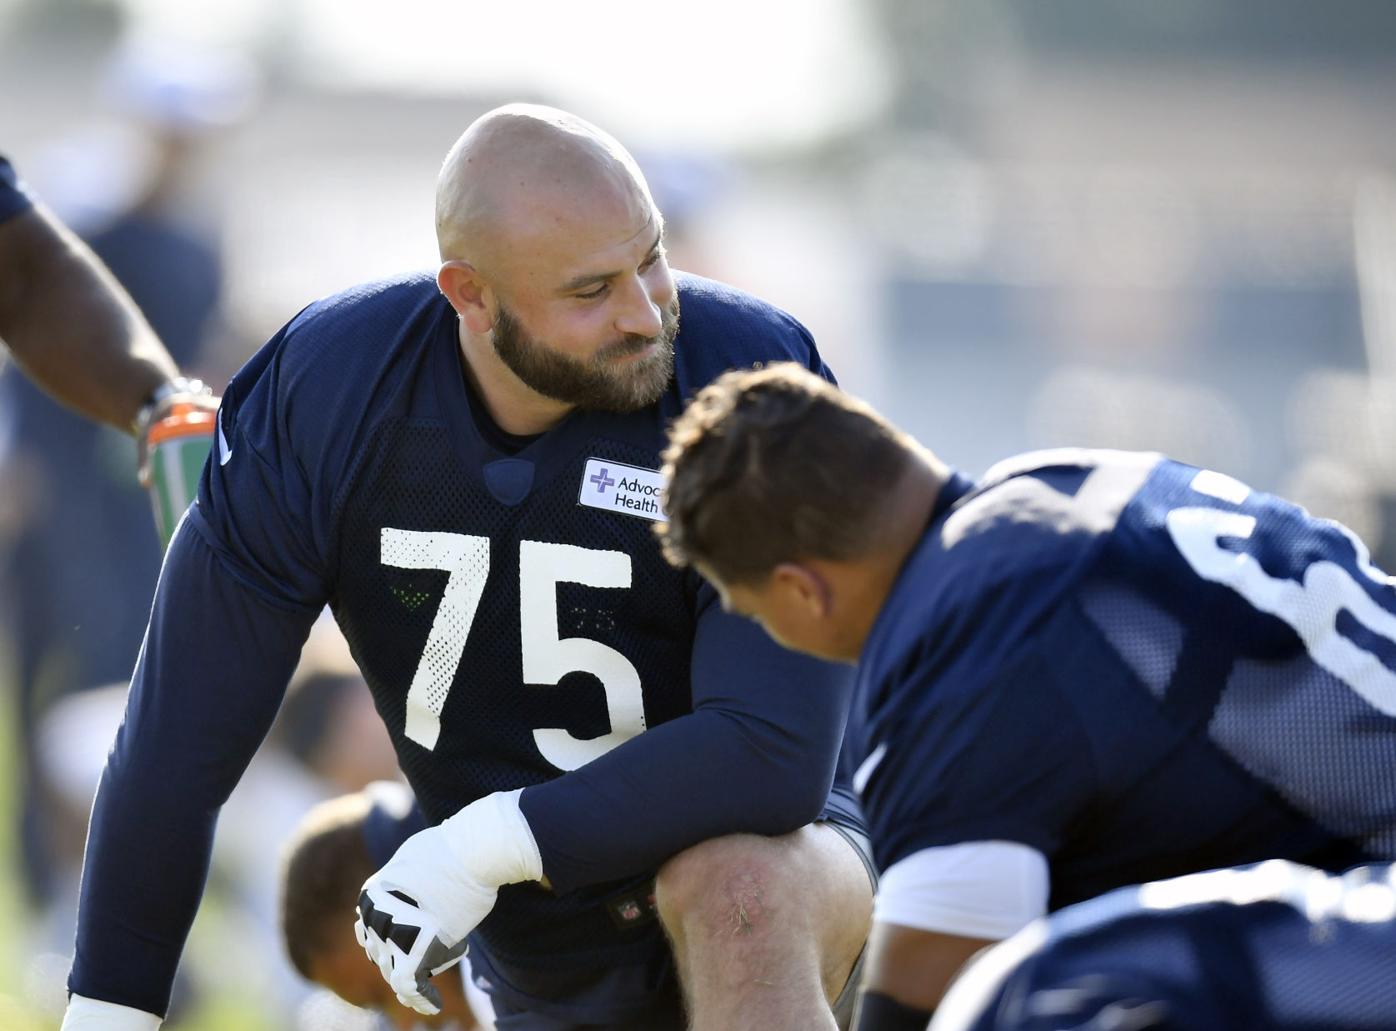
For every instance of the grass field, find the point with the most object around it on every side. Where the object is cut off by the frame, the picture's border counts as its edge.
(31, 994)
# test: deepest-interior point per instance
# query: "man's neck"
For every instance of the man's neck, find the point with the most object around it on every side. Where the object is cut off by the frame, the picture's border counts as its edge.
(515, 407)
(910, 506)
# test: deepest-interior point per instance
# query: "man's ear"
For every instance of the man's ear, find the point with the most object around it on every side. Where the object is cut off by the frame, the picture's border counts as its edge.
(469, 294)
(804, 586)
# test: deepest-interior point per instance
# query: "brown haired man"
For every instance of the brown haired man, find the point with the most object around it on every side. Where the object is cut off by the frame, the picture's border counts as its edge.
(1089, 669)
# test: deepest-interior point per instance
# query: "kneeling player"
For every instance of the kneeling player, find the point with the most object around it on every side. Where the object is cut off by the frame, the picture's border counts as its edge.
(1087, 670)
(461, 467)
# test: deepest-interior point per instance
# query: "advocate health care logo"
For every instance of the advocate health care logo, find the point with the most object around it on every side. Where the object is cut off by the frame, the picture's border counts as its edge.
(627, 489)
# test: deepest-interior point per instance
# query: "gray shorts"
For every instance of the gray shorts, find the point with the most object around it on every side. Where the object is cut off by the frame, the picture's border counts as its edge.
(843, 1005)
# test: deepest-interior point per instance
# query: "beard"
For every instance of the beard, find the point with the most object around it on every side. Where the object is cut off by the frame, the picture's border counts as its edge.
(598, 383)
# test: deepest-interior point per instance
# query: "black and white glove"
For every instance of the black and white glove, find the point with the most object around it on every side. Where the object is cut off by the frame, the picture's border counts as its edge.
(415, 913)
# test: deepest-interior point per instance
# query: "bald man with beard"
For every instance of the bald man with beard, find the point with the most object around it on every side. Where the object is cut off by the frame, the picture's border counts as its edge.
(634, 816)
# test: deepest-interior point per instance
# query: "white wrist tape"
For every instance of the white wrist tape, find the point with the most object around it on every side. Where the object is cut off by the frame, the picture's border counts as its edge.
(95, 1015)
(492, 841)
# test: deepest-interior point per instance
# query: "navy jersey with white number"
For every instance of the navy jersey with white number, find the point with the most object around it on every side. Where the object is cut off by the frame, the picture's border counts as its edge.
(1135, 667)
(511, 612)
(1277, 945)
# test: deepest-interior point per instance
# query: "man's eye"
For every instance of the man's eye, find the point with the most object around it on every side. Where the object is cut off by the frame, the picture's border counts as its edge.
(650, 262)
(592, 295)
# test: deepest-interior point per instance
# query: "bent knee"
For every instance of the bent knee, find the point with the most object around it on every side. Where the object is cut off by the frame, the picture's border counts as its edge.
(732, 883)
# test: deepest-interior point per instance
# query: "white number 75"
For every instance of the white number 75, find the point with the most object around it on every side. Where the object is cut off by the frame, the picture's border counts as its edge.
(547, 657)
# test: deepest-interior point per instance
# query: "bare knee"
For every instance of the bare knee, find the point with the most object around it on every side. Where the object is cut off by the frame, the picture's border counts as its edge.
(725, 886)
(779, 917)
(809, 884)
(743, 939)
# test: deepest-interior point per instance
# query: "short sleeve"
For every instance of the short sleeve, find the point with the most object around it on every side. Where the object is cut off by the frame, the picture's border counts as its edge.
(998, 757)
(265, 500)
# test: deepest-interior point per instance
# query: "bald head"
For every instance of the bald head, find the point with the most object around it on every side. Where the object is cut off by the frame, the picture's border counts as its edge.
(522, 170)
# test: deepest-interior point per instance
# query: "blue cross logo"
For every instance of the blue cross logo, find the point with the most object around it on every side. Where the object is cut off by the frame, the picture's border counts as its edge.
(602, 481)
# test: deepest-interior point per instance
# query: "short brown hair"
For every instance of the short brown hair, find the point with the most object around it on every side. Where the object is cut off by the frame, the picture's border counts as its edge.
(322, 869)
(774, 465)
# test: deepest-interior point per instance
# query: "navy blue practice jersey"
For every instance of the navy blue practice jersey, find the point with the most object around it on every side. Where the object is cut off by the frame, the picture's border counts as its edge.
(1135, 667)
(508, 605)
(13, 196)
(1277, 945)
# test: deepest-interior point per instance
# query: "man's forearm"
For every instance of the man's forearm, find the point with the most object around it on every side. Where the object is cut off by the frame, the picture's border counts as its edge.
(71, 326)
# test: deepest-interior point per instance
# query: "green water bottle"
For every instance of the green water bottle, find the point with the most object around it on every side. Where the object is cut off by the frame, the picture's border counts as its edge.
(179, 444)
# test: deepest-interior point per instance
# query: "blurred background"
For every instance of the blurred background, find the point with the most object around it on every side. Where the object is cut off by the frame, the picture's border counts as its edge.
(1010, 224)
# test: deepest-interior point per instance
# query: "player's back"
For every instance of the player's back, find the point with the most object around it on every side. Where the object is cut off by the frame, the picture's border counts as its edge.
(1277, 945)
(1137, 668)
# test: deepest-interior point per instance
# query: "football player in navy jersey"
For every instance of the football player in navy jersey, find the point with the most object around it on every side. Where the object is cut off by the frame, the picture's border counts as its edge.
(1087, 670)
(1277, 945)
(633, 824)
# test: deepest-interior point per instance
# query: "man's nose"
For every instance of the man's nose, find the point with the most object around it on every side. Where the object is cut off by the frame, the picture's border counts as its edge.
(641, 314)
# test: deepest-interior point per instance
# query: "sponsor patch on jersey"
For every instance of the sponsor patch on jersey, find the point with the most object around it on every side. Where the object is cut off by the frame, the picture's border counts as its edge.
(627, 489)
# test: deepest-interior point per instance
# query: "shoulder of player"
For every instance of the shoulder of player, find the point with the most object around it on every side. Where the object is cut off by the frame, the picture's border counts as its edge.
(360, 323)
(346, 349)
(722, 327)
(964, 597)
(336, 360)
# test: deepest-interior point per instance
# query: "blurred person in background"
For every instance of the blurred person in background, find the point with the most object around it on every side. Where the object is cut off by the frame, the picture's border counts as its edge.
(687, 187)
(82, 556)
(68, 551)
(327, 741)
(636, 819)
(331, 853)
(327, 722)
(1277, 945)
(1089, 669)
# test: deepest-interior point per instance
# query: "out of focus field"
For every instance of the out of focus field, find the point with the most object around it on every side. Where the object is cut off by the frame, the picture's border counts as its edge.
(31, 995)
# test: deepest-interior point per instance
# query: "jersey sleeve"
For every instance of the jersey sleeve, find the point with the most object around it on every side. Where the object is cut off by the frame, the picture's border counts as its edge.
(266, 496)
(241, 585)
(996, 756)
(215, 662)
(757, 754)
(14, 197)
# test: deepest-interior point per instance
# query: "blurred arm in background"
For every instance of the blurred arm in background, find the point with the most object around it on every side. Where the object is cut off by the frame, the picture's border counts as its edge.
(67, 321)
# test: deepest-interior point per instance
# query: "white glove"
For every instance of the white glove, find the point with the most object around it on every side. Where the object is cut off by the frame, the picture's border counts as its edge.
(86, 1014)
(415, 913)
